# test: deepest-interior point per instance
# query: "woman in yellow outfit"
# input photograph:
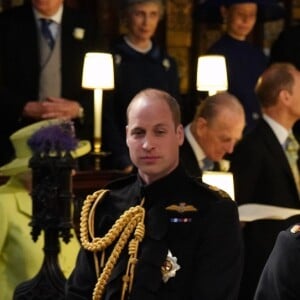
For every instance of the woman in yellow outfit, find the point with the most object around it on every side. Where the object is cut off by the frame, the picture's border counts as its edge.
(20, 257)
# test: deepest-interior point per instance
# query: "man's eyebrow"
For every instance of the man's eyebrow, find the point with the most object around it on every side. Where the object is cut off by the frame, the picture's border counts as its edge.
(161, 125)
(137, 128)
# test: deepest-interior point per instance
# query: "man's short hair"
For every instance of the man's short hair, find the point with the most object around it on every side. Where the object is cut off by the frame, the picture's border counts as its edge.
(127, 4)
(277, 77)
(162, 95)
(210, 107)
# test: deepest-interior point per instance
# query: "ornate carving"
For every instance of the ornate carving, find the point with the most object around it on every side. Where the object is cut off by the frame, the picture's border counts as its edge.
(51, 213)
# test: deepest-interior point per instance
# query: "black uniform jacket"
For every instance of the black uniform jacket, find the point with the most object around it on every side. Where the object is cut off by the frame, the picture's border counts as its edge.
(281, 276)
(197, 224)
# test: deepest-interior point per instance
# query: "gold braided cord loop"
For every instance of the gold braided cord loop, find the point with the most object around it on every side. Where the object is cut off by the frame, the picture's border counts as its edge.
(133, 251)
(87, 223)
(87, 218)
(130, 221)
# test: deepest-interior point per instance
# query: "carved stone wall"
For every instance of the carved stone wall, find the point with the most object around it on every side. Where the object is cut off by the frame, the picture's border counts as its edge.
(179, 27)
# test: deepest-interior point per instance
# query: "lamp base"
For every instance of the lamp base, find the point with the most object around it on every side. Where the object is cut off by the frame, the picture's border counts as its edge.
(97, 157)
(98, 153)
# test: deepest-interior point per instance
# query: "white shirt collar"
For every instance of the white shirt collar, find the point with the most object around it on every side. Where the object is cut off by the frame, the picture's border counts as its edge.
(137, 49)
(194, 144)
(280, 132)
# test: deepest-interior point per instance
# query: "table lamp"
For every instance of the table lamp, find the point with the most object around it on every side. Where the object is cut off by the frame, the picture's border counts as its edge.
(211, 74)
(98, 74)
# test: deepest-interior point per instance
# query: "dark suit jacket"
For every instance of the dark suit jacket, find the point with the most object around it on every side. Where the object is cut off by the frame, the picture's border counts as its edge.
(261, 175)
(189, 161)
(261, 170)
(19, 67)
(281, 275)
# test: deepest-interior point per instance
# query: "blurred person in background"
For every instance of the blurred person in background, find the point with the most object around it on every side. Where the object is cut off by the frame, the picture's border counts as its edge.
(139, 63)
(217, 126)
(42, 48)
(20, 257)
(265, 169)
(245, 62)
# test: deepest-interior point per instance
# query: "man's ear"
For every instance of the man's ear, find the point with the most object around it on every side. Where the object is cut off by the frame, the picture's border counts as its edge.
(180, 134)
(224, 13)
(284, 97)
(126, 128)
(201, 122)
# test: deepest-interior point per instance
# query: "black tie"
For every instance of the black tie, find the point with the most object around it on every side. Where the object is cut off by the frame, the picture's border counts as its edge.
(45, 23)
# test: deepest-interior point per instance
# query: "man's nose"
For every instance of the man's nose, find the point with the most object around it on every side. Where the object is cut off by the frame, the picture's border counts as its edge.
(146, 20)
(230, 147)
(148, 143)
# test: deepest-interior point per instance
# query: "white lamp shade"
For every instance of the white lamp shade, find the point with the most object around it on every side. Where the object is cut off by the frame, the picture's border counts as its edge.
(222, 180)
(98, 71)
(211, 74)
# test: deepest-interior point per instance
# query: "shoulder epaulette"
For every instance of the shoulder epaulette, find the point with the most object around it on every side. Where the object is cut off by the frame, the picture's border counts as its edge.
(222, 193)
(216, 190)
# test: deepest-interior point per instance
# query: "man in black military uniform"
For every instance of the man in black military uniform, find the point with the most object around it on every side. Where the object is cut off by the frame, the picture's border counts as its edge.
(280, 278)
(159, 234)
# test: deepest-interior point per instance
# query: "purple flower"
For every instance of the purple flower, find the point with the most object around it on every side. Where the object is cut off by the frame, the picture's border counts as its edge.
(54, 138)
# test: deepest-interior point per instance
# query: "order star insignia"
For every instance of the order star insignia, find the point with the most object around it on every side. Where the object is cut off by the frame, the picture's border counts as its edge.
(170, 267)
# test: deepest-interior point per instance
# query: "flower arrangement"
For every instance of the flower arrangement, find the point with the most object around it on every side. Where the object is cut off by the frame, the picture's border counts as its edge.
(118, 59)
(166, 64)
(78, 33)
(224, 165)
(55, 138)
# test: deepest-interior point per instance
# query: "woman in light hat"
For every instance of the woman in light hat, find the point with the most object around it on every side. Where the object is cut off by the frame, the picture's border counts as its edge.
(20, 257)
(139, 63)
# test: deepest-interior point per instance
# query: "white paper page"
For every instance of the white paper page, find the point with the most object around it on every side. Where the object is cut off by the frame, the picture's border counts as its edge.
(252, 211)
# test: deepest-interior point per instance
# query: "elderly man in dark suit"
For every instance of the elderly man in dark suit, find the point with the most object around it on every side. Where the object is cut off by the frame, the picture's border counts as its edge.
(217, 126)
(262, 168)
(40, 77)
